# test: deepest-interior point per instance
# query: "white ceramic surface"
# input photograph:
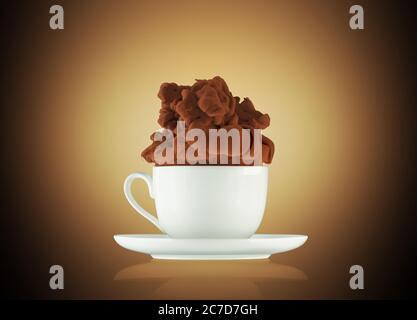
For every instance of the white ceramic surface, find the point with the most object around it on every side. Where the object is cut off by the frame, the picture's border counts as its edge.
(205, 201)
(259, 246)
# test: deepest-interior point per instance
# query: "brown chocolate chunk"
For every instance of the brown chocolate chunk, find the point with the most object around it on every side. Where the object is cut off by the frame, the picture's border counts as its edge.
(207, 104)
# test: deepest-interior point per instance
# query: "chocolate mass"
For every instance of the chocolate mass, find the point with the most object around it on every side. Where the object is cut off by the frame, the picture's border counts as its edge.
(207, 104)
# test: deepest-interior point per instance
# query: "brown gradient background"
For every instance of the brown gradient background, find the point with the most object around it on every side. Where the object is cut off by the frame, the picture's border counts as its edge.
(81, 104)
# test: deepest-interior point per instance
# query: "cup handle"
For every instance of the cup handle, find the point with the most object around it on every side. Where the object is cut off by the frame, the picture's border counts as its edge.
(128, 193)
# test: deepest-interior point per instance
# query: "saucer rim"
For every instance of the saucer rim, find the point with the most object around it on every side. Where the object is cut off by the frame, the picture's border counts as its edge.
(210, 256)
(257, 236)
(162, 245)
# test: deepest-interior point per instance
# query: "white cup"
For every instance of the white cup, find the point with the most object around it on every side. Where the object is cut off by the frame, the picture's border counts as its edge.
(205, 201)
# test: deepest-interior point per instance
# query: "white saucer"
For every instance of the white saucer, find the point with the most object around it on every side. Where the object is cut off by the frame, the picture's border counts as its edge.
(259, 246)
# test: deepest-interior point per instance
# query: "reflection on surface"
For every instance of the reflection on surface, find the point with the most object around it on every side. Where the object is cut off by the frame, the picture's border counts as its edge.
(165, 279)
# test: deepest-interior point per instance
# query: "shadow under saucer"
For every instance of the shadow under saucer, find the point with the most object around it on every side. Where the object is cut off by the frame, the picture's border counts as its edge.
(207, 279)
